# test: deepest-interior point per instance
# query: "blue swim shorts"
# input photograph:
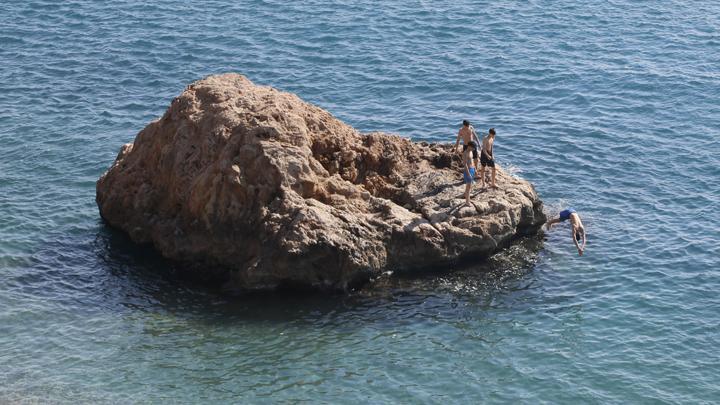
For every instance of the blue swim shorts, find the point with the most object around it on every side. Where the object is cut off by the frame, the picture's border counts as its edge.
(469, 180)
(565, 214)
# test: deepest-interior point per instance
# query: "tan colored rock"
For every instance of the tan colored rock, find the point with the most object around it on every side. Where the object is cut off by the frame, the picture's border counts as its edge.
(263, 189)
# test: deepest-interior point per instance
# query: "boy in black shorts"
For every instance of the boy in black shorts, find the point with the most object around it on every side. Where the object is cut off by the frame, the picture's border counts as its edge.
(487, 158)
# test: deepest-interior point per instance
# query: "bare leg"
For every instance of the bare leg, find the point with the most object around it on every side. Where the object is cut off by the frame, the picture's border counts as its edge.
(467, 193)
(476, 165)
(482, 176)
(552, 222)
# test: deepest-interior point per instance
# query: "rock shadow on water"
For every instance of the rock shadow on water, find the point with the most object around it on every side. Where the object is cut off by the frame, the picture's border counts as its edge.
(146, 281)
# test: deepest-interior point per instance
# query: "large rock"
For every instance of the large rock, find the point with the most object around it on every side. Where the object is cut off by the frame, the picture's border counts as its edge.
(257, 186)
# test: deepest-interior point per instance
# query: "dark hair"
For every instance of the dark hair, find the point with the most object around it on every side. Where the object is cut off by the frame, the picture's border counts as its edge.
(492, 131)
(471, 144)
(466, 123)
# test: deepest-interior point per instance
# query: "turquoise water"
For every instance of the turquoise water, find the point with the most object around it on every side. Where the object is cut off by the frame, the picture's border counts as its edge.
(612, 107)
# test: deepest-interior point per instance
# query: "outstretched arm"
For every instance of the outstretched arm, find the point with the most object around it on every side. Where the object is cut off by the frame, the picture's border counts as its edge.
(457, 142)
(579, 249)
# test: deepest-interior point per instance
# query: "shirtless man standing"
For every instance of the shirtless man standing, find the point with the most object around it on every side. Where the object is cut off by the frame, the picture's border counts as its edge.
(578, 230)
(487, 158)
(467, 134)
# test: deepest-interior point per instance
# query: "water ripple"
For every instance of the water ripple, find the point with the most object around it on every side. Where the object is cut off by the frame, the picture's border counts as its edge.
(611, 107)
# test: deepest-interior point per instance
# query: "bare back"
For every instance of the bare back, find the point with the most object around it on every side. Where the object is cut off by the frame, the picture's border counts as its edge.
(487, 146)
(576, 222)
(468, 161)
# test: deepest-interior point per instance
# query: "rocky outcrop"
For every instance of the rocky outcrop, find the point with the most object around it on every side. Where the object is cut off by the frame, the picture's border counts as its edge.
(258, 187)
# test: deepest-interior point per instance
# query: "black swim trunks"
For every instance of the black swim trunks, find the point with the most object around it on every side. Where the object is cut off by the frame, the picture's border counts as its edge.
(474, 151)
(486, 157)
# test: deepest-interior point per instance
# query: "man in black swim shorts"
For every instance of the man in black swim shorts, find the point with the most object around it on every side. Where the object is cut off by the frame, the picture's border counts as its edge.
(487, 158)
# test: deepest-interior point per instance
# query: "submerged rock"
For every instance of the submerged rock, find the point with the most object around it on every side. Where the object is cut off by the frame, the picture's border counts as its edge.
(262, 189)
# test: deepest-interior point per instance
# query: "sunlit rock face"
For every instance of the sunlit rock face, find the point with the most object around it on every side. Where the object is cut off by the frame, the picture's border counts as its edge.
(259, 188)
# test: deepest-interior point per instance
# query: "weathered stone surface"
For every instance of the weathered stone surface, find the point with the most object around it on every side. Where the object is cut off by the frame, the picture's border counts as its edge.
(264, 189)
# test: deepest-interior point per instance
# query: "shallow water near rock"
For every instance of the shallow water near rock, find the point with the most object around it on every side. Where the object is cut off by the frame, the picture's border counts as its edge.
(611, 108)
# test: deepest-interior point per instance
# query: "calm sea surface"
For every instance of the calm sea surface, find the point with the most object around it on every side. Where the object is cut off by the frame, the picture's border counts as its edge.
(612, 107)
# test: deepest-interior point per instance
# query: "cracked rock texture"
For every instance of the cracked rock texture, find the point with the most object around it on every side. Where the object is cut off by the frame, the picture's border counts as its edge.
(258, 188)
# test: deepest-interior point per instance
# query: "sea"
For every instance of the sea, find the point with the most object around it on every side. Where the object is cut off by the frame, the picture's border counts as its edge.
(611, 107)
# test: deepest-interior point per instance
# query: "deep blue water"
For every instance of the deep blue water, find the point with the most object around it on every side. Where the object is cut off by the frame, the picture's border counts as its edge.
(612, 107)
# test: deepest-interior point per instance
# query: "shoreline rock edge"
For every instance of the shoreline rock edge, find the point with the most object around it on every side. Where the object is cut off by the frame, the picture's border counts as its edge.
(260, 189)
